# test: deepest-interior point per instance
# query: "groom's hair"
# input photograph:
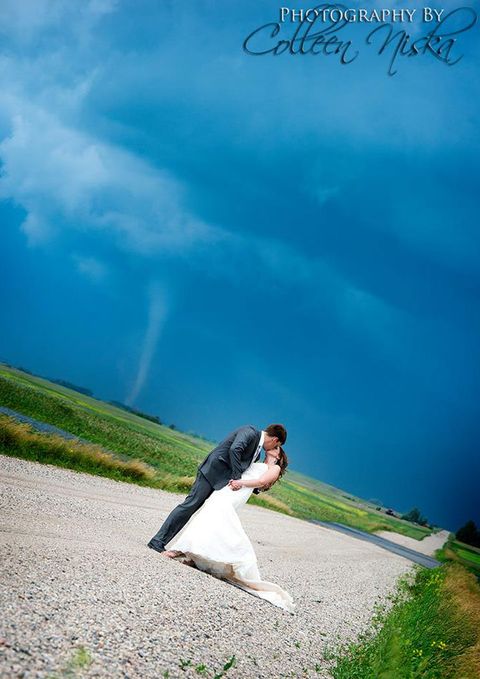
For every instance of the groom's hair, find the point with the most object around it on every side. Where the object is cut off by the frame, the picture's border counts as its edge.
(277, 430)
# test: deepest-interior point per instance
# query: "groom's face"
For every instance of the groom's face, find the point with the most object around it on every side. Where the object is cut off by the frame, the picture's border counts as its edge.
(270, 443)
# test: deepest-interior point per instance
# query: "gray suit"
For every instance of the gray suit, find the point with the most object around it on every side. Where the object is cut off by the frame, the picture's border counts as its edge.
(227, 461)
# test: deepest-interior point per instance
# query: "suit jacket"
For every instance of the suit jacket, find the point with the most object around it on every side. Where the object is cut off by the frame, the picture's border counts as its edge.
(231, 457)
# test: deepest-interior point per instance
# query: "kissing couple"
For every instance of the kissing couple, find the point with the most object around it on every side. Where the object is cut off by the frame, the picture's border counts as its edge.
(206, 529)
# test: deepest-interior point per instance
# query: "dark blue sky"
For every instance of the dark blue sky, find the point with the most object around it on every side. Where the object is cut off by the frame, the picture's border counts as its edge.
(220, 239)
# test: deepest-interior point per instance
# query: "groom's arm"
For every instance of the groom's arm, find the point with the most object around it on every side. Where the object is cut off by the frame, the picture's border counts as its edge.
(243, 438)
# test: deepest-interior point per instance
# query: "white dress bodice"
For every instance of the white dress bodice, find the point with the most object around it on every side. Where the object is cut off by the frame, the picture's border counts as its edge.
(237, 498)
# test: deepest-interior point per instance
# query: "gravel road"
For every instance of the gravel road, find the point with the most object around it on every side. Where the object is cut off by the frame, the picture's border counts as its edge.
(76, 573)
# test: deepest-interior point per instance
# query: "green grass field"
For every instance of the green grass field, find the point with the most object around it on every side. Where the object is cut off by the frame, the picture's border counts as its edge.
(130, 447)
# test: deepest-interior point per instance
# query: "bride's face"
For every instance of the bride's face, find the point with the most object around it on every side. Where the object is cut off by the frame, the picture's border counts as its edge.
(275, 453)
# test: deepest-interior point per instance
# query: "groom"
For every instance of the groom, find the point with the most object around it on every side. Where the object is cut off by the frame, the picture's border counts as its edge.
(227, 461)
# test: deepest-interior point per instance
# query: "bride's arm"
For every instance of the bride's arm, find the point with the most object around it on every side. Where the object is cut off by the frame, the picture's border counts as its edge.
(270, 476)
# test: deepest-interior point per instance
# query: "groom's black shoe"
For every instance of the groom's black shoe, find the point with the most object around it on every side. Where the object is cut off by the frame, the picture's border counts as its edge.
(156, 546)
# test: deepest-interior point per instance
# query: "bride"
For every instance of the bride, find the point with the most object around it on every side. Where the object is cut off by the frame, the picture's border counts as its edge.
(214, 540)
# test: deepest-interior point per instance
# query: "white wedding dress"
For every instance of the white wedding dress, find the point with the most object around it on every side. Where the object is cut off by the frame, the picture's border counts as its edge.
(216, 542)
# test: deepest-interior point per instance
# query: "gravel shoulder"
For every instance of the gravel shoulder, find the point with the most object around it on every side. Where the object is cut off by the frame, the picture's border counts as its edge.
(76, 572)
(428, 545)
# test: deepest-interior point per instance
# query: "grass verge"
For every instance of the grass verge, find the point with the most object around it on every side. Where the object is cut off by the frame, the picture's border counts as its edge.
(430, 630)
(468, 556)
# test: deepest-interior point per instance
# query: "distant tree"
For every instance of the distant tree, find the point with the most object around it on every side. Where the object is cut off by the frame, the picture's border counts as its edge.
(146, 416)
(198, 436)
(25, 370)
(415, 516)
(172, 426)
(140, 413)
(70, 385)
(375, 501)
(119, 404)
(469, 534)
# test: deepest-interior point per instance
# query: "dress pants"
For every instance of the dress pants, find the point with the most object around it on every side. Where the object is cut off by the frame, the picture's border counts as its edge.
(179, 516)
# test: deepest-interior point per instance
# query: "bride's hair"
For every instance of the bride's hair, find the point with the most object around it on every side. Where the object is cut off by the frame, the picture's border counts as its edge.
(282, 463)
